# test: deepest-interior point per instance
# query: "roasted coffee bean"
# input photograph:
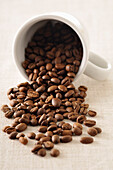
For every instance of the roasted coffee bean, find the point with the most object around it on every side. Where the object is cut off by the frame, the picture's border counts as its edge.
(24, 120)
(72, 116)
(21, 127)
(36, 148)
(48, 145)
(77, 131)
(42, 152)
(82, 88)
(60, 124)
(59, 117)
(13, 103)
(43, 117)
(52, 127)
(66, 132)
(81, 119)
(49, 133)
(39, 136)
(62, 88)
(5, 108)
(41, 111)
(69, 93)
(66, 126)
(20, 135)
(31, 93)
(42, 129)
(23, 140)
(19, 113)
(55, 152)
(57, 131)
(48, 66)
(99, 130)
(52, 88)
(59, 95)
(92, 131)
(55, 139)
(5, 128)
(86, 140)
(56, 102)
(89, 123)
(31, 135)
(33, 122)
(9, 113)
(10, 130)
(40, 89)
(77, 125)
(92, 113)
(66, 139)
(55, 80)
(59, 66)
(13, 135)
(44, 139)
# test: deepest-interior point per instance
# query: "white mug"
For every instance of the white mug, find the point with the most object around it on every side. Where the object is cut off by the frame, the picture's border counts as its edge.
(92, 64)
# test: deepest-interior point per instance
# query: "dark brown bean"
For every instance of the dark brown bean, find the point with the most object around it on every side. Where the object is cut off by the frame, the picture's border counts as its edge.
(62, 88)
(52, 88)
(52, 127)
(56, 102)
(49, 133)
(13, 135)
(55, 152)
(59, 117)
(44, 139)
(36, 148)
(66, 126)
(77, 131)
(31, 135)
(42, 152)
(77, 125)
(21, 127)
(20, 135)
(23, 140)
(42, 129)
(81, 119)
(86, 140)
(48, 145)
(99, 130)
(55, 139)
(66, 139)
(92, 113)
(39, 136)
(66, 132)
(92, 131)
(89, 123)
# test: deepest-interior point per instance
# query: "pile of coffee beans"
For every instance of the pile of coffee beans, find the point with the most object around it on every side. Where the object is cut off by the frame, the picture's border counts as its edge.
(53, 57)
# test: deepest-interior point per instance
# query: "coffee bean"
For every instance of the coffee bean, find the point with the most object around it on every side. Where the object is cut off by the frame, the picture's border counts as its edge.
(59, 66)
(5, 108)
(33, 122)
(36, 148)
(42, 129)
(77, 131)
(69, 93)
(19, 135)
(55, 152)
(31, 135)
(77, 125)
(82, 88)
(60, 124)
(48, 66)
(5, 128)
(57, 131)
(23, 140)
(52, 127)
(13, 103)
(13, 135)
(10, 130)
(66, 132)
(42, 152)
(39, 136)
(55, 139)
(41, 88)
(49, 133)
(86, 140)
(89, 123)
(81, 119)
(62, 88)
(56, 102)
(99, 130)
(66, 139)
(21, 127)
(19, 113)
(55, 80)
(44, 139)
(41, 111)
(52, 88)
(48, 145)
(59, 117)
(92, 113)
(31, 93)
(92, 131)
(9, 114)
(66, 126)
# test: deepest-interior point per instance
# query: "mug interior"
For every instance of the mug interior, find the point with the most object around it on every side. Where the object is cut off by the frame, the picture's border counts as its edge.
(26, 33)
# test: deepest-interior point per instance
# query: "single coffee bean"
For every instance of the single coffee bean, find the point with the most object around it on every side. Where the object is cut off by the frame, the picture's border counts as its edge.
(5, 108)
(59, 66)
(77, 131)
(60, 124)
(19, 113)
(20, 135)
(99, 130)
(66, 126)
(13, 135)
(39, 136)
(92, 113)
(44, 139)
(81, 119)
(42, 152)
(31, 135)
(9, 113)
(89, 123)
(56, 102)
(66, 139)
(77, 125)
(52, 127)
(55, 152)
(52, 88)
(86, 140)
(92, 131)
(48, 145)
(24, 120)
(5, 128)
(69, 93)
(66, 132)
(62, 88)
(49, 133)
(55, 139)
(33, 122)
(55, 80)
(10, 130)
(23, 140)
(21, 127)
(59, 117)
(41, 111)
(36, 148)
(42, 129)
(57, 131)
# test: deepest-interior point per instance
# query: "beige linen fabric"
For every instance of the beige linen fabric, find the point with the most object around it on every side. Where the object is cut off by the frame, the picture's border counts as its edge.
(97, 16)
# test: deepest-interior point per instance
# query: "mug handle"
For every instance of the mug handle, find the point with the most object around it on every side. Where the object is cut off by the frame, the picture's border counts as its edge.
(97, 67)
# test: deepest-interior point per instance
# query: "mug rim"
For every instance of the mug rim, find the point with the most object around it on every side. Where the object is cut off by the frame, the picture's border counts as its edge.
(59, 16)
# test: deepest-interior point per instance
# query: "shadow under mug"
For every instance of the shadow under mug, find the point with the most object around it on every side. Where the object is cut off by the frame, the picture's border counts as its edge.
(92, 64)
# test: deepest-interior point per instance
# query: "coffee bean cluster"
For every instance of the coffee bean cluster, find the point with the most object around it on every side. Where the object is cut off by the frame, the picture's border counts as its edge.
(53, 57)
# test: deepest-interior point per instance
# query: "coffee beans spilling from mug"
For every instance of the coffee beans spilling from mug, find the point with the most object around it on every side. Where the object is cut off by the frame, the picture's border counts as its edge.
(53, 57)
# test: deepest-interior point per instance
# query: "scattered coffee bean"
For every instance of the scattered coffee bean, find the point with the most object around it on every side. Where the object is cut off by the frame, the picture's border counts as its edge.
(92, 113)
(42, 152)
(55, 139)
(21, 127)
(20, 135)
(39, 136)
(31, 135)
(55, 152)
(23, 140)
(36, 148)
(77, 131)
(13, 135)
(48, 145)
(66, 139)
(66, 132)
(92, 131)
(99, 130)
(89, 123)
(86, 140)
(56, 102)
(77, 125)
(42, 129)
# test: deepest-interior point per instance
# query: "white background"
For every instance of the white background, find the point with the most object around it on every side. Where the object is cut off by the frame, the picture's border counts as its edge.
(97, 17)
